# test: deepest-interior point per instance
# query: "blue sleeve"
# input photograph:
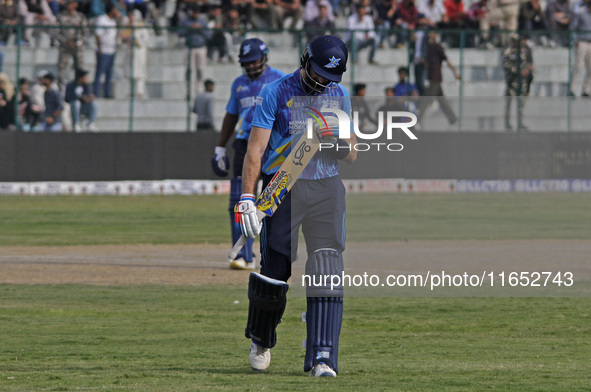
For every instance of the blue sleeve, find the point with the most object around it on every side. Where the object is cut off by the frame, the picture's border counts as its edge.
(266, 108)
(346, 101)
(232, 106)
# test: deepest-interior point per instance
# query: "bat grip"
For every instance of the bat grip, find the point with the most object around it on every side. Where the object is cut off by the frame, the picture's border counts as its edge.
(237, 246)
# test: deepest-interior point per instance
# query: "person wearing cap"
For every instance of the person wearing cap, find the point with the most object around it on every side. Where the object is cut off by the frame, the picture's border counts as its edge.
(316, 203)
(52, 116)
(71, 39)
(238, 118)
(81, 100)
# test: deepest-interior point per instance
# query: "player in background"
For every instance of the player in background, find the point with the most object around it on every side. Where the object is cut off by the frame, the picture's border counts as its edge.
(316, 203)
(239, 113)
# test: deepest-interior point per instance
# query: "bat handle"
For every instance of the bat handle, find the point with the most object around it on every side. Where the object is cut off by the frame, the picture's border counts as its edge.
(237, 246)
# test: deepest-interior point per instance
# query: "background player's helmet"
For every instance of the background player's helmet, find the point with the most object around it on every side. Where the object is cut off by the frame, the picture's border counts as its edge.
(327, 56)
(253, 57)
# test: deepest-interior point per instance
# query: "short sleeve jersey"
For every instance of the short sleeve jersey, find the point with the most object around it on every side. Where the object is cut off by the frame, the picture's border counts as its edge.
(274, 112)
(243, 96)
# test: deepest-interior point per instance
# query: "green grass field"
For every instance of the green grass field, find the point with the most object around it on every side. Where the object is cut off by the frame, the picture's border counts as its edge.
(181, 338)
(168, 338)
(93, 220)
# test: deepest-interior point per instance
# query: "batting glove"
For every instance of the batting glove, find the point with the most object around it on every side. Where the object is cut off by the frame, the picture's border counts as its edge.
(246, 217)
(330, 134)
(220, 162)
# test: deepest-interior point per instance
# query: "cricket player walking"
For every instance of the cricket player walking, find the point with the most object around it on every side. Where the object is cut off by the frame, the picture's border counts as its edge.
(316, 203)
(239, 113)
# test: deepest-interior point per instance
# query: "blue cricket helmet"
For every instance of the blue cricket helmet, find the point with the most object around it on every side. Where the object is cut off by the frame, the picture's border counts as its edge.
(328, 57)
(252, 49)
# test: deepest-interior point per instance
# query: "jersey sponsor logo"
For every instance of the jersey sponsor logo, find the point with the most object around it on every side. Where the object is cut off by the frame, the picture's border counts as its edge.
(247, 102)
(297, 127)
(258, 100)
(332, 62)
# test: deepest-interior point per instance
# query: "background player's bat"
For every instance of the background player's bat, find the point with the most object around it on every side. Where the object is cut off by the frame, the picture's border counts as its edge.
(268, 201)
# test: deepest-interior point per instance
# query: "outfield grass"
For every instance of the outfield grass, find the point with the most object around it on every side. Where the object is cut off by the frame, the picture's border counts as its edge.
(73, 220)
(93, 220)
(170, 338)
(174, 338)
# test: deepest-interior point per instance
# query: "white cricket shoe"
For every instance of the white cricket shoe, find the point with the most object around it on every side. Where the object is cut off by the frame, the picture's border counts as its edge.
(259, 357)
(322, 370)
(241, 264)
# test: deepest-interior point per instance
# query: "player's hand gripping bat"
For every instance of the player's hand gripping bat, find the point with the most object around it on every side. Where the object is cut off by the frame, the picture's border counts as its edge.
(268, 201)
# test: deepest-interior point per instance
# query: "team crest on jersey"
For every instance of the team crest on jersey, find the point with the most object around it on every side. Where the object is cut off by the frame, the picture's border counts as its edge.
(333, 62)
(246, 49)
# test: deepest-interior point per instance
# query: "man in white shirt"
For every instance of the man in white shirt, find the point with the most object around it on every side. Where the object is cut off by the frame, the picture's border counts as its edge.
(434, 11)
(106, 48)
(364, 38)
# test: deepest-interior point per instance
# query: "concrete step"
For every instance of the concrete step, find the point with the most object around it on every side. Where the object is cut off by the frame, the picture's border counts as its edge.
(169, 65)
(171, 124)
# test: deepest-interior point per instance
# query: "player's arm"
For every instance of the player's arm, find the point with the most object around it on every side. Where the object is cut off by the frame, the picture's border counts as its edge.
(246, 215)
(220, 162)
(453, 69)
(264, 118)
(257, 143)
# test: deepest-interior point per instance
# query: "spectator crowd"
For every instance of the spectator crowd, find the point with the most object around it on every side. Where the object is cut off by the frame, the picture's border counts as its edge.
(211, 29)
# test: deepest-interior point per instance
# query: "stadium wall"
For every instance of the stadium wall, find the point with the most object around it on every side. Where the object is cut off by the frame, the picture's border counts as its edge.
(158, 156)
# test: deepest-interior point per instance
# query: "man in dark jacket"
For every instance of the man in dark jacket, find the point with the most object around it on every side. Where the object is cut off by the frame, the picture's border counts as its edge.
(81, 100)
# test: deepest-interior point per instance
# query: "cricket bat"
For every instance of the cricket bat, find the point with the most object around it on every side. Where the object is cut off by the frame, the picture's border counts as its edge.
(270, 198)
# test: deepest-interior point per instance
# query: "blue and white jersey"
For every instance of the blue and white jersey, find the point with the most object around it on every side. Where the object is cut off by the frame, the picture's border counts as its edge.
(243, 96)
(274, 112)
